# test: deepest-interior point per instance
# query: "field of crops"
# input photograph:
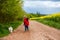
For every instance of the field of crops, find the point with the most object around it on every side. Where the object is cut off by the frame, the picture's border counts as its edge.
(52, 20)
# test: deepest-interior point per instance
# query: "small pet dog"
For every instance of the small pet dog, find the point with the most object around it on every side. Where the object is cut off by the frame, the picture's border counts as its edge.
(10, 29)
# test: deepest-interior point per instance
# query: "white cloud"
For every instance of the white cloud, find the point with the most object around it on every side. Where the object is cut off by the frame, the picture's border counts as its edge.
(42, 0)
(46, 4)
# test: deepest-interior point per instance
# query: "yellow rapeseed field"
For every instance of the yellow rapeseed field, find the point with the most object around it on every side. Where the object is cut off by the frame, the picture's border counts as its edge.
(47, 16)
(52, 15)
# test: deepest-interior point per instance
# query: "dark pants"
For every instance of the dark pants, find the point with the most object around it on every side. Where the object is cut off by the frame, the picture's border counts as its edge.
(26, 28)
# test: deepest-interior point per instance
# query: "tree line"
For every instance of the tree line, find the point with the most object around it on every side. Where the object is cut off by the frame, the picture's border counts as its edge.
(11, 10)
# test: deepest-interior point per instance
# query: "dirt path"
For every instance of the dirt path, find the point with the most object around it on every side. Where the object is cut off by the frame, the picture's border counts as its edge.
(37, 31)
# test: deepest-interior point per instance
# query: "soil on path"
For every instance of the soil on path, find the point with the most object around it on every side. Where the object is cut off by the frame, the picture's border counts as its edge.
(37, 31)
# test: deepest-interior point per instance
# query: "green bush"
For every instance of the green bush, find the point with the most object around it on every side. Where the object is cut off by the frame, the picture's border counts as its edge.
(10, 12)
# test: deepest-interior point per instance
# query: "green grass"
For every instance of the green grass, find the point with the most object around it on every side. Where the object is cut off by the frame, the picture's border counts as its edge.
(4, 27)
(50, 23)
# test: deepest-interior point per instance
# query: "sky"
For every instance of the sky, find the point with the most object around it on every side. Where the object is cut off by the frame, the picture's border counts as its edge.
(42, 6)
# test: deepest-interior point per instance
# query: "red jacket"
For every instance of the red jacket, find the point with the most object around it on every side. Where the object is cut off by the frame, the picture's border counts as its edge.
(26, 22)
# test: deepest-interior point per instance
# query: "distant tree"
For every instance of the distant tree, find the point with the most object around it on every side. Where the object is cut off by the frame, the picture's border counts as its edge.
(38, 14)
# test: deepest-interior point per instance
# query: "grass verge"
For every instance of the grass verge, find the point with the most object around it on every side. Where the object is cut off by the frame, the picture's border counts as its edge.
(4, 27)
(50, 23)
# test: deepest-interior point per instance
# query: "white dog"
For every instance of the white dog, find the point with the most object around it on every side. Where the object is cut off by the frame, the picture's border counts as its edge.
(10, 29)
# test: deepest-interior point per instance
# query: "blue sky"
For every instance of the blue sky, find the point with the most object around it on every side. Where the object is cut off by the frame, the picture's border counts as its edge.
(42, 6)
